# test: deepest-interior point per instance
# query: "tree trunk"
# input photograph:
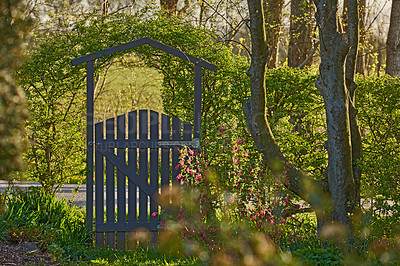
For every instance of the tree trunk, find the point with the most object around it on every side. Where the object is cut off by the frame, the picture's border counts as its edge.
(360, 64)
(393, 41)
(335, 197)
(351, 62)
(300, 43)
(297, 181)
(170, 7)
(335, 47)
(273, 20)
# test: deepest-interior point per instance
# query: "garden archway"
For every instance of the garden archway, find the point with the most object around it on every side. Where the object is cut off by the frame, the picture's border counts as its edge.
(143, 176)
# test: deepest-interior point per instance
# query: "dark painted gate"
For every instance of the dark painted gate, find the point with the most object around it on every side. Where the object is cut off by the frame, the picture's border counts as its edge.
(139, 157)
(136, 153)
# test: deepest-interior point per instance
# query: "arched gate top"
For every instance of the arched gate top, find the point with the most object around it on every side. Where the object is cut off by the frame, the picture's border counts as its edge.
(139, 42)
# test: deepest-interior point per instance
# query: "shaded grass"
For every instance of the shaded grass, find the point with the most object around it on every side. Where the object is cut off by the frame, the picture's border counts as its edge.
(139, 256)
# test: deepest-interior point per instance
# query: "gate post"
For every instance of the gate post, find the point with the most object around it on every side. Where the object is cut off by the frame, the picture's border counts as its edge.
(197, 101)
(90, 145)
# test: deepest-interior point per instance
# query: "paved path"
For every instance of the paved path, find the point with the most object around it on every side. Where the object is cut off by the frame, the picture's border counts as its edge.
(65, 191)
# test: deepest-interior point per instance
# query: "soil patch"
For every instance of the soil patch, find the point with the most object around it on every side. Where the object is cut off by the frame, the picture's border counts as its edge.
(14, 255)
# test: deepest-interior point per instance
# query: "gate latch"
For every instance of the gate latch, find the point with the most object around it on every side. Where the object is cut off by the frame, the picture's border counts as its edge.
(195, 143)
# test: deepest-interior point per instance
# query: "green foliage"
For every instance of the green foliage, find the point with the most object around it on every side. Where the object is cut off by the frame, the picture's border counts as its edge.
(13, 27)
(320, 256)
(297, 117)
(223, 91)
(379, 117)
(55, 89)
(55, 98)
(33, 215)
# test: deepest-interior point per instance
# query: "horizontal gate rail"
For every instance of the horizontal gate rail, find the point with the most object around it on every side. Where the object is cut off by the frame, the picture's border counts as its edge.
(126, 227)
(145, 144)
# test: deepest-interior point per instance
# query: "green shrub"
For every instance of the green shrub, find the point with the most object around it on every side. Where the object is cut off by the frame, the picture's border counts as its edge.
(296, 115)
(320, 256)
(34, 215)
(379, 116)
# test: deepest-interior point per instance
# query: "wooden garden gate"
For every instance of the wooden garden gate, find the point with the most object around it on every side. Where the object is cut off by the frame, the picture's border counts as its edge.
(135, 151)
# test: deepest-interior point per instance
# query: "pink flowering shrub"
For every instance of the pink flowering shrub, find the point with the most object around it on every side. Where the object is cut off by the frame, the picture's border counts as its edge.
(228, 194)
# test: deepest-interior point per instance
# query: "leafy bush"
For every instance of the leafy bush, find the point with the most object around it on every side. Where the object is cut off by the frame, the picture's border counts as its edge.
(229, 196)
(55, 89)
(320, 256)
(33, 215)
(379, 117)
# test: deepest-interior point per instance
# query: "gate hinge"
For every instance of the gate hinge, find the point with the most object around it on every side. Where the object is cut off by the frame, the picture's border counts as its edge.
(92, 143)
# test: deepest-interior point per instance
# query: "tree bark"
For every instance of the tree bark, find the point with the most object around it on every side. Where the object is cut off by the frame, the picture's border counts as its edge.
(393, 41)
(170, 7)
(300, 43)
(273, 20)
(360, 64)
(254, 109)
(351, 62)
(336, 196)
(334, 49)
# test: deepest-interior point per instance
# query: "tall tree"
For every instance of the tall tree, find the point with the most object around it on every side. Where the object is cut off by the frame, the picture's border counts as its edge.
(273, 20)
(301, 27)
(393, 41)
(169, 6)
(12, 99)
(360, 64)
(336, 195)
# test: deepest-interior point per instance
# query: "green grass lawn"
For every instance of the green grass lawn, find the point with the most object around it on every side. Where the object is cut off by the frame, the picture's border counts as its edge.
(123, 89)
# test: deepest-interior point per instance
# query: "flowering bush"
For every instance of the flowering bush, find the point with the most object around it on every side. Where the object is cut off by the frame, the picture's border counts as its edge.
(229, 196)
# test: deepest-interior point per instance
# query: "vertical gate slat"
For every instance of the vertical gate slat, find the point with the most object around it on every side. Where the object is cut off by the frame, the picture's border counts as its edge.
(110, 186)
(176, 135)
(187, 131)
(143, 165)
(99, 185)
(165, 156)
(121, 192)
(132, 188)
(154, 135)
